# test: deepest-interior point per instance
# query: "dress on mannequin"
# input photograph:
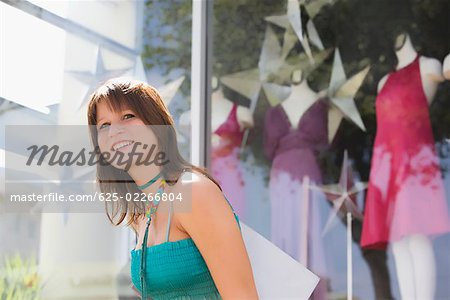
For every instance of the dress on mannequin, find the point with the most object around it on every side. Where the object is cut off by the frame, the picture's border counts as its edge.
(226, 166)
(293, 152)
(406, 193)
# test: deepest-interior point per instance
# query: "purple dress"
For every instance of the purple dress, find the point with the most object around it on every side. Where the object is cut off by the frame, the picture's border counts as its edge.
(293, 152)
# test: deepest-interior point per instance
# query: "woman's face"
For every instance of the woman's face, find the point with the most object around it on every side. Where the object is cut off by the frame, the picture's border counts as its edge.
(121, 134)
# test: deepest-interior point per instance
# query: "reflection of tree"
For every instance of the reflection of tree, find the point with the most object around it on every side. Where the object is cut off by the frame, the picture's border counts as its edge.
(239, 28)
(363, 30)
(167, 34)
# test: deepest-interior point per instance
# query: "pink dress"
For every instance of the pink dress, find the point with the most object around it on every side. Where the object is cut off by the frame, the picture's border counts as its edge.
(406, 193)
(226, 167)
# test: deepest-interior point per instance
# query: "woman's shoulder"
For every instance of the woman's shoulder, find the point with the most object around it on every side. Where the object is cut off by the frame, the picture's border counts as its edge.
(200, 194)
(205, 208)
(195, 182)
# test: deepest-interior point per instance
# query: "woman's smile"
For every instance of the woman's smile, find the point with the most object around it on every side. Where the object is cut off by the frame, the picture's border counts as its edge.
(121, 144)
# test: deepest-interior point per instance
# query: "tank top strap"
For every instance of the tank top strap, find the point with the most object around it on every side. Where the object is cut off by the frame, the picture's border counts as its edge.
(228, 202)
(235, 215)
(168, 220)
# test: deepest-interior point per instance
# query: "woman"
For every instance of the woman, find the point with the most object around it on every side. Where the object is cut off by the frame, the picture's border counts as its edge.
(188, 247)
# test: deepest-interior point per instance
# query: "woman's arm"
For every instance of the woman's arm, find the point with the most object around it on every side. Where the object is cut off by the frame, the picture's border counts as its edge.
(214, 229)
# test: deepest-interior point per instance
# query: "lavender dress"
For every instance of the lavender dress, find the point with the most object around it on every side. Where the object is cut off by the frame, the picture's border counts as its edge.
(293, 152)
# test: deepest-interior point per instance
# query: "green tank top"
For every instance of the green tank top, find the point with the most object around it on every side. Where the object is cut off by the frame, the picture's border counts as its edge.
(175, 270)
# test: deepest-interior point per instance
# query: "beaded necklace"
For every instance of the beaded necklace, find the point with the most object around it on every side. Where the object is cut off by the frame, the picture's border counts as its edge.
(149, 212)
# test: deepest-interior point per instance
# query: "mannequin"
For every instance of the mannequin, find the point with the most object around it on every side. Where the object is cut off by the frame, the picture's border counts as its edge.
(295, 106)
(228, 122)
(295, 132)
(446, 67)
(430, 68)
(221, 108)
(393, 188)
(414, 256)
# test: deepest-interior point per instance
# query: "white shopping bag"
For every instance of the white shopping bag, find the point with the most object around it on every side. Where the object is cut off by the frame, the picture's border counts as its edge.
(277, 275)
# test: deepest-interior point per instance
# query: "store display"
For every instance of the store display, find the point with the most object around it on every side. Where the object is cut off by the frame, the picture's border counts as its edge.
(226, 166)
(293, 151)
(406, 201)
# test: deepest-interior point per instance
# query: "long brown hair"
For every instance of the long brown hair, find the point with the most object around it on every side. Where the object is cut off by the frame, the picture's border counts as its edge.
(145, 101)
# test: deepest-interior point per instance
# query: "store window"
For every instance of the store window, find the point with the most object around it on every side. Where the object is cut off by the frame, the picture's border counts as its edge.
(330, 128)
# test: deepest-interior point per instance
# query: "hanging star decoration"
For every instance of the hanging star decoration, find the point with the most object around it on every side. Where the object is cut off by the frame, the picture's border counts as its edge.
(93, 79)
(6, 105)
(291, 22)
(313, 7)
(314, 35)
(341, 93)
(138, 70)
(249, 83)
(342, 195)
(10, 104)
(274, 69)
(271, 72)
(169, 90)
(305, 61)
